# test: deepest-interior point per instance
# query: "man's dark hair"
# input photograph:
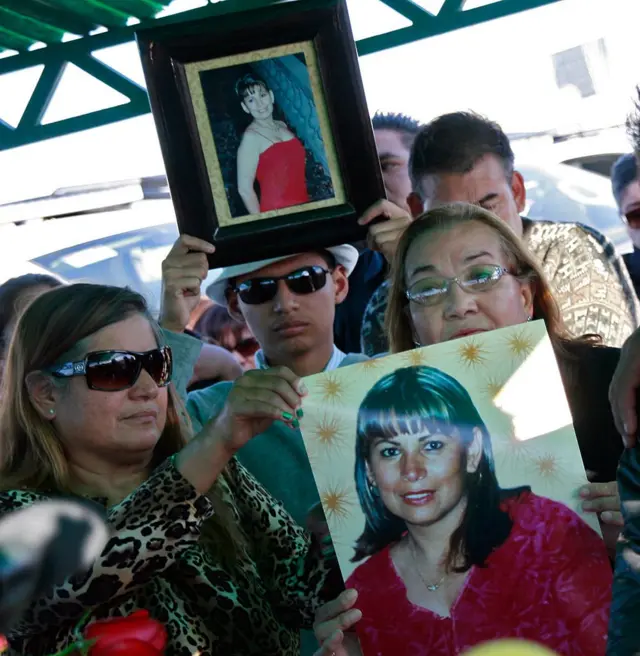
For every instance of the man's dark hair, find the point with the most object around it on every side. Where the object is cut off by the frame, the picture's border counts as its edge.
(453, 143)
(633, 125)
(247, 83)
(623, 173)
(406, 126)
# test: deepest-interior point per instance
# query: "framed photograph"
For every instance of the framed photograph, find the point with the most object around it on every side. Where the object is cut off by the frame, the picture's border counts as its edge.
(449, 477)
(264, 128)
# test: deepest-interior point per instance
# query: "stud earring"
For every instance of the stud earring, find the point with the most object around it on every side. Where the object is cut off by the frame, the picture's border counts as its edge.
(52, 411)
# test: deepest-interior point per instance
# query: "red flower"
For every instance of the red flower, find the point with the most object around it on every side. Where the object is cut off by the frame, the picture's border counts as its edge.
(135, 635)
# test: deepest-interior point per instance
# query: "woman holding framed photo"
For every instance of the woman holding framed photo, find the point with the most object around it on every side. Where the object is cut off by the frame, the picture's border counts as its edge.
(269, 153)
(459, 270)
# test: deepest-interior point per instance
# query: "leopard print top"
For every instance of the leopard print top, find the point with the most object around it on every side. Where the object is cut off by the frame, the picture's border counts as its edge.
(154, 561)
(589, 279)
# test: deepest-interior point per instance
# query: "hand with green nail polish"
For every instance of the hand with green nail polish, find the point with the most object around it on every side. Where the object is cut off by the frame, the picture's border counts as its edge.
(255, 401)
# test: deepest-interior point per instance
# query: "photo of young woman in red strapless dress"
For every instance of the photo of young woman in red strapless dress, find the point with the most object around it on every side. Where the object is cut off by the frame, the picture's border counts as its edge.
(269, 140)
(269, 153)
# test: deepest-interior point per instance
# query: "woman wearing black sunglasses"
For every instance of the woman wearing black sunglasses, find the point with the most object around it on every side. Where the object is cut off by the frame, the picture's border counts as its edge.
(89, 410)
(217, 326)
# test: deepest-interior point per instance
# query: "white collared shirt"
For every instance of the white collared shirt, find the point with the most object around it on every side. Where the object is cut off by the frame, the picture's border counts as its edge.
(334, 361)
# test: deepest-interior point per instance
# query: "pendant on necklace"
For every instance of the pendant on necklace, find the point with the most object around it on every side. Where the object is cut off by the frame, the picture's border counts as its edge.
(433, 587)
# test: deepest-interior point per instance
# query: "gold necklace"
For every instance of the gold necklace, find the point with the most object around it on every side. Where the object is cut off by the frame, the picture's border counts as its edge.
(431, 587)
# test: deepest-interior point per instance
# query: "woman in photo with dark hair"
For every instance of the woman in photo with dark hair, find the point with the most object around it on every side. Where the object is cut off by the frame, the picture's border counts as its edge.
(269, 153)
(453, 559)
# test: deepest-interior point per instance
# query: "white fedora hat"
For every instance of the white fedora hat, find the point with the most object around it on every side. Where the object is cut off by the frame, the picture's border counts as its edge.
(345, 255)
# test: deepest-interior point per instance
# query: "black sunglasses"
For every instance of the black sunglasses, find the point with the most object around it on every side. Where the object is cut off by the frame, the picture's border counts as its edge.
(302, 281)
(114, 371)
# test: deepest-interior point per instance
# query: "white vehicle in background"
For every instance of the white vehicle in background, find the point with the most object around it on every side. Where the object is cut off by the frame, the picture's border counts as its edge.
(559, 192)
(115, 234)
(594, 151)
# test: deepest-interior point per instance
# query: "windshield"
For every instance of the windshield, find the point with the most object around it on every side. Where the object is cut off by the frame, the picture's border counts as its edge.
(133, 260)
(562, 193)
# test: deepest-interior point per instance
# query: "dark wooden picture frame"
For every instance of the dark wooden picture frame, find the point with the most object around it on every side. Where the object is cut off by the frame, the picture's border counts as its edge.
(318, 33)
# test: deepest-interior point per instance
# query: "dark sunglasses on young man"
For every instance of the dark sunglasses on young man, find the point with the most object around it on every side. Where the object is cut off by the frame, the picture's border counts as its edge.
(114, 371)
(303, 281)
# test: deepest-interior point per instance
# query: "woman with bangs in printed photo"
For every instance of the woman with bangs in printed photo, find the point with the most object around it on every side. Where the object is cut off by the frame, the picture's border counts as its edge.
(452, 559)
(269, 153)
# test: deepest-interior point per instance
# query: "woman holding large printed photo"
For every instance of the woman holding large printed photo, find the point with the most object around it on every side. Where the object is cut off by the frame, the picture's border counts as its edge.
(269, 153)
(460, 270)
(453, 560)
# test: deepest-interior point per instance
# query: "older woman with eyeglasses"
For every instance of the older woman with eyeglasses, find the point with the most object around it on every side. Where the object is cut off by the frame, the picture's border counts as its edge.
(89, 411)
(459, 270)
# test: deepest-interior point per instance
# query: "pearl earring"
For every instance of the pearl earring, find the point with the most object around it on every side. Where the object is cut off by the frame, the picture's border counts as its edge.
(52, 411)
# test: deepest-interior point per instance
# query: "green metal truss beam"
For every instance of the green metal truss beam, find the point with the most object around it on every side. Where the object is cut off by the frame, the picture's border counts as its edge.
(41, 10)
(450, 17)
(114, 14)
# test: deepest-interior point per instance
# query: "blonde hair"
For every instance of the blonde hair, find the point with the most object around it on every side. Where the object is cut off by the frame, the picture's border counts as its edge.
(55, 328)
(525, 267)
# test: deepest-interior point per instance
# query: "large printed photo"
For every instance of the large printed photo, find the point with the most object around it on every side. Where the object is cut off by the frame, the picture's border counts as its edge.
(449, 478)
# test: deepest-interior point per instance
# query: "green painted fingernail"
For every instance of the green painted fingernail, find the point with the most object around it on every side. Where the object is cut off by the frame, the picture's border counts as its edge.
(295, 423)
(300, 413)
(287, 416)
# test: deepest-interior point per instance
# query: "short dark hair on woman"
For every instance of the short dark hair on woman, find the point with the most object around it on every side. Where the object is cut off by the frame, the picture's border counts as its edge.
(454, 143)
(415, 399)
(217, 324)
(10, 293)
(247, 83)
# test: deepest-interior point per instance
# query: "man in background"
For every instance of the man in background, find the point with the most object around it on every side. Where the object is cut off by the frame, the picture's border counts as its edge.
(394, 134)
(626, 190)
(624, 637)
(464, 157)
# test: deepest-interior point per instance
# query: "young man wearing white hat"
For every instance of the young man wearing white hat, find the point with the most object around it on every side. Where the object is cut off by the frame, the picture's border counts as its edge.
(289, 305)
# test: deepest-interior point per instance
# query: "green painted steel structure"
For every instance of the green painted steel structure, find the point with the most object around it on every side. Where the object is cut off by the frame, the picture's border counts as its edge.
(24, 23)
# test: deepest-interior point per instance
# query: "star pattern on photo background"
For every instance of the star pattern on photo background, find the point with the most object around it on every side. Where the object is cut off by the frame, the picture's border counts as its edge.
(491, 387)
(472, 353)
(549, 469)
(338, 502)
(327, 437)
(520, 344)
(415, 358)
(370, 365)
(332, 389)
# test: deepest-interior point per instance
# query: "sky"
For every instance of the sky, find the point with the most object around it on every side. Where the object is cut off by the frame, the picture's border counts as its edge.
(502, 69)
